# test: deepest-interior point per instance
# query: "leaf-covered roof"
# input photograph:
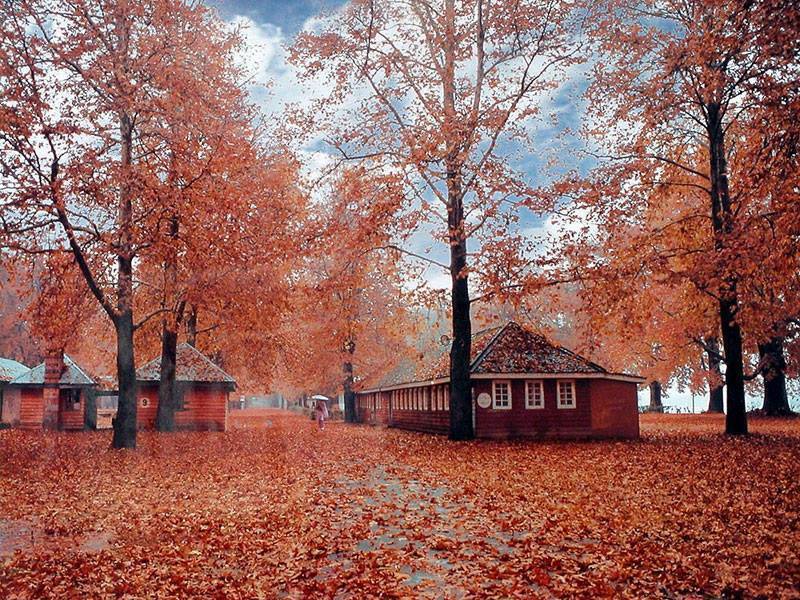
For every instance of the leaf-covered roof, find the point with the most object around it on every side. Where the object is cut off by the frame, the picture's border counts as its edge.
(72, 374)
(191, 365)
(504, 350)
(517, 350)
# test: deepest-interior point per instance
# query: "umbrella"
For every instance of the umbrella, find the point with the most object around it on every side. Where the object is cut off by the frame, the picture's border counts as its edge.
(319, 397)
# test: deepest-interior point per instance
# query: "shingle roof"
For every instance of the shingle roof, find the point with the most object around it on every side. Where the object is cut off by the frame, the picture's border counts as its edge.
(191, 365)
(517, 350)
(504, 350)
(71, 375)
(432, 363)
(9, 369)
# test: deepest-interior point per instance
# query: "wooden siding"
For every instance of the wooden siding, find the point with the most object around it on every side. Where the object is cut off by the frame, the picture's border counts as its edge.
(10, 406)
(615, 409)
(31, 408)
(603, 408)
(373, 409)
(519, 421)
(421, 408)
(71, 420)
(205, 408)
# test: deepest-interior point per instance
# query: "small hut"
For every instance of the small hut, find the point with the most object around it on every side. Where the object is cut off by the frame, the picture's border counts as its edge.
(202, 392)
(9, 396)
(54, 394)
(523, 385)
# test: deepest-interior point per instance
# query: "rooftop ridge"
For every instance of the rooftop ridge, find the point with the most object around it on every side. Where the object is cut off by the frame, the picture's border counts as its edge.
(154, 363)
(206, 359)
(500, 329)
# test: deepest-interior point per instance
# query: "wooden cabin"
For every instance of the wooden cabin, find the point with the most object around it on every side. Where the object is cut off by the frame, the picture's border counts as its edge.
(202, 391)
(9, 396)
(522, 386)
(53, 395)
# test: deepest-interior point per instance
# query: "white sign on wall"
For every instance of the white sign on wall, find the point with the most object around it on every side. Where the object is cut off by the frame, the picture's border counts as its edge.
(484, 400)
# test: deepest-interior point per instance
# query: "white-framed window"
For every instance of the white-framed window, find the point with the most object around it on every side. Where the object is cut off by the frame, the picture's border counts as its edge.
(566, 394)
(534, 394)
(447, 396)
(501, 395)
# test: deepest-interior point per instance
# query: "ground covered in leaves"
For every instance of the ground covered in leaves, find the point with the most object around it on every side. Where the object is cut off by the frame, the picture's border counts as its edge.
(273, 508)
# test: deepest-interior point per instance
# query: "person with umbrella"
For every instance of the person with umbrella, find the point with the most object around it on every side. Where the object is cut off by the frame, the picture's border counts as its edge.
(321, 410)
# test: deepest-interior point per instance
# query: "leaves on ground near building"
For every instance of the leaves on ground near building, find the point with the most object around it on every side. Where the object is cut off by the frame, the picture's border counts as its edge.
(275, 508)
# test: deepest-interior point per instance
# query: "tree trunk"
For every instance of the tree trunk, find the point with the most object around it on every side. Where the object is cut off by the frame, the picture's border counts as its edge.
(776, 401)
(655, 398)
(191, 327)
(350, 410)
(722, 222)
(460, 351)
(715, 393)
(736, 418)
(165, 416)
(125, 422)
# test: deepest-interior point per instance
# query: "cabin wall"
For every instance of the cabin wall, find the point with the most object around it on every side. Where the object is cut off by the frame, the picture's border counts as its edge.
(373, 409)
(71, 420)
(547, 422)
(421, 408)
(11, 405)
(31, 408)
(615, 410)
(206, 408)
(603, 408)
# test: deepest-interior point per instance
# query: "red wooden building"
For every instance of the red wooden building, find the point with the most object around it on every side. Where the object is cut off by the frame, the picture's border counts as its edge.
(54, 394)
(9, 396)
(522, 386)
(202, 390)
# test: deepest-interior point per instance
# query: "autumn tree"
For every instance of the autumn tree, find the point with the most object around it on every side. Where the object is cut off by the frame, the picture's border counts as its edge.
(672, 85)
(441, 94)
(228, 270)
(227, 207)
(93, 83)
(351, 316)
(17, 341)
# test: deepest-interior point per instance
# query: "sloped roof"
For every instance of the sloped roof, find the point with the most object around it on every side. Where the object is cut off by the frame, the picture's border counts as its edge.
(507, 349)
(432, 363)
(191, 365)
(10, 369)
(71, 375)
(517, 350)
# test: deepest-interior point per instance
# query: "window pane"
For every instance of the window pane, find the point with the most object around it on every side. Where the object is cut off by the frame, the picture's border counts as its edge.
(502, 394)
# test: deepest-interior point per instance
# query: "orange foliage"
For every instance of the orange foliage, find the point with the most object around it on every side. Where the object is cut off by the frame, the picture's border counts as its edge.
(350, 301)
(274, 507)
